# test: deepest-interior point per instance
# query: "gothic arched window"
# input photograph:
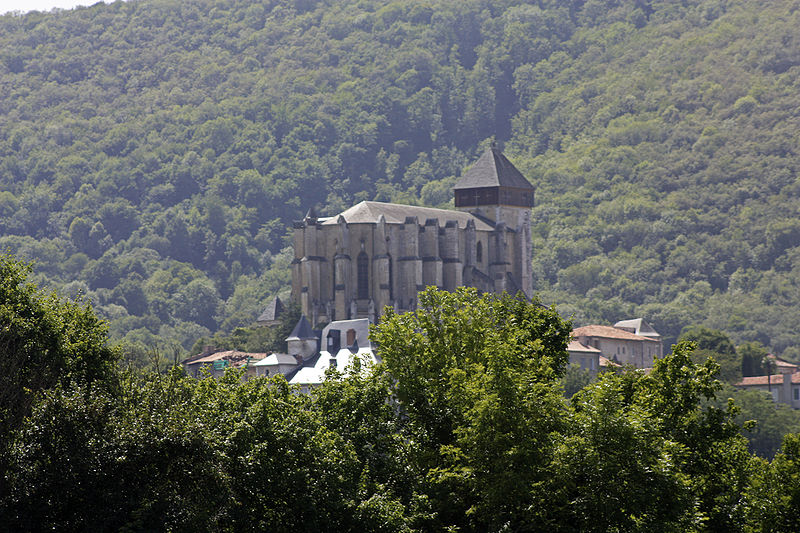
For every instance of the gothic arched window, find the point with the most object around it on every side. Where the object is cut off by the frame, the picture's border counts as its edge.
(391, 279)
(362, 271)
(479, 251)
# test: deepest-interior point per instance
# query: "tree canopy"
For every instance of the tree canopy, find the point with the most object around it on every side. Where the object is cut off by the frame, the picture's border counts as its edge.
(463, 425)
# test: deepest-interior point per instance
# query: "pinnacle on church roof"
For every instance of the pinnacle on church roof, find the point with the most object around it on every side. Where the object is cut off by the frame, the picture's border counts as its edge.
(493, 169)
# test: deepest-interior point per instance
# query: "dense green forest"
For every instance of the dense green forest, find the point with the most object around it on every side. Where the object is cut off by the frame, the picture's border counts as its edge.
(463, 426)
(153, 153)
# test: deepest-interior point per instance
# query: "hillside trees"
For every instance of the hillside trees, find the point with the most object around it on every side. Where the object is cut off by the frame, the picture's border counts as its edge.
(716, 345)
(658, 137)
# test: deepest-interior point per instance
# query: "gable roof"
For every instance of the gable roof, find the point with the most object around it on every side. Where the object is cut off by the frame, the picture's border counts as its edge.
(275, 359)
(781, 365)
(608, 332)
(493, 169)
(604, 361)
(369, 212)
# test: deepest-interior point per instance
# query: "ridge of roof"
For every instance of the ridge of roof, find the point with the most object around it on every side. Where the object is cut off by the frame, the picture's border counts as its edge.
(228, 354)
(492, 169)
(640, 325)
(781, 363)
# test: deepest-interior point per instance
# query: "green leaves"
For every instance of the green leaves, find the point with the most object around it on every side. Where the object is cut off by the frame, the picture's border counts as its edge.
(463, 425)
(45, 341)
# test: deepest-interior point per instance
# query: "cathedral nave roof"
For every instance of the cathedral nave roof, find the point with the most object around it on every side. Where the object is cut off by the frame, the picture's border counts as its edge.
(368, 212)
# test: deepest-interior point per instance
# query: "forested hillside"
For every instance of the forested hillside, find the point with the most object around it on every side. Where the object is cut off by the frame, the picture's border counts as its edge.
(153, 153)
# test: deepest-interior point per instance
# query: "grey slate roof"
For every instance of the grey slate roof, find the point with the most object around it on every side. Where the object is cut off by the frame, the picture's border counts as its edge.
(302, 330)
(272, 312)
(492, 169)
(397, 213)
(639, 326)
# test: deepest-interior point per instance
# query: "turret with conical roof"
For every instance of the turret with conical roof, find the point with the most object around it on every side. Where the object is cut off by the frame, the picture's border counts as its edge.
(302, 341)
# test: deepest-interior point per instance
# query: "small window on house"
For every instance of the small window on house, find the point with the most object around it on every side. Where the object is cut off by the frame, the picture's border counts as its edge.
(351, 337)
(797, 394)
(479, 252)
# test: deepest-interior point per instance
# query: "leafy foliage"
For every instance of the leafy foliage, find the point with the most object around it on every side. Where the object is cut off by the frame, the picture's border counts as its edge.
(463, 425)
(716, 345)
(45, 342)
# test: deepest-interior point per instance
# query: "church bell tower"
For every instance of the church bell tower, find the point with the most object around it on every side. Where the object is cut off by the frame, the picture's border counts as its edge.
(493, 189)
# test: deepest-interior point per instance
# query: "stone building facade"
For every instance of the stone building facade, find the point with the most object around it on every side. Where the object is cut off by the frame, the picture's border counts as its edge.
(621, 346)
(377, 254)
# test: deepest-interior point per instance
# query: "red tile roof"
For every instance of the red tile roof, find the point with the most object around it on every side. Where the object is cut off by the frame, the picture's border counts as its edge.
(780, 363)
(575, 346)
(608, 332)
(775, 379)
(607, 362)
(234, 356)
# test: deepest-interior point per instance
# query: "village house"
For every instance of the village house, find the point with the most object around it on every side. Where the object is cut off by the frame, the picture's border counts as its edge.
(587, 357)
(310, 354)
(783, 386)
(216, 362)
(620, 344)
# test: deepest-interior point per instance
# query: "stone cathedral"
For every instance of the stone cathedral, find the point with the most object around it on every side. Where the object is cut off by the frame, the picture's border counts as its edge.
(377, 254)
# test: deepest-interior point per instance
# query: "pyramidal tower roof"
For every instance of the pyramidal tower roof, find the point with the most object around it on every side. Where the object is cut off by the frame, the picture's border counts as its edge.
(272, 312)
(493, 169)
(302, 330)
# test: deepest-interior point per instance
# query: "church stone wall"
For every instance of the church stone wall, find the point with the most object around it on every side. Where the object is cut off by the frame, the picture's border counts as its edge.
(375, 254)
(401, 259)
